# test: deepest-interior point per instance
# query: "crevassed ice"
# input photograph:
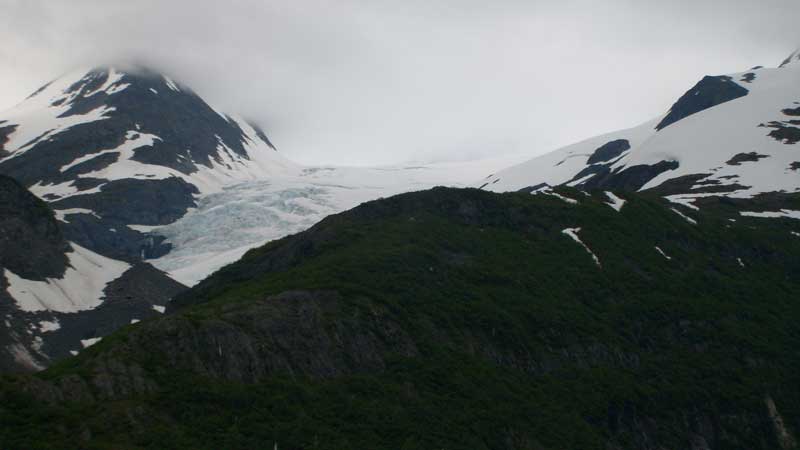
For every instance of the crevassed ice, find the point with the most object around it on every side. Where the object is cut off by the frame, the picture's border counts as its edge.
(226, 224)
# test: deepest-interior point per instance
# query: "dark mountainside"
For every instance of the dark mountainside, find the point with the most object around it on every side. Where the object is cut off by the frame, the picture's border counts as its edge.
(457, 319)
(32, 246)
(112, 153)
(188, 136)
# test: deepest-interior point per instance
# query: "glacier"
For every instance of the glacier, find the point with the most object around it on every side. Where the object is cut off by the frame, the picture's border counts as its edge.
(227, 223)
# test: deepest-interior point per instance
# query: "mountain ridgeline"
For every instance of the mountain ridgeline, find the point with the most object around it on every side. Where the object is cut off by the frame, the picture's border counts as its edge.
(113, 153)
(48, 285)
(121, 149)
(728, 136)
(457, 319)
(634, 290)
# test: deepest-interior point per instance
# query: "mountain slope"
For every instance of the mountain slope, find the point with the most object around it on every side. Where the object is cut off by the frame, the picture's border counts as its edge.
(732, 136)
(118, 151)
(138, 168)
(457, 319)
(56, 296)
(114, 153)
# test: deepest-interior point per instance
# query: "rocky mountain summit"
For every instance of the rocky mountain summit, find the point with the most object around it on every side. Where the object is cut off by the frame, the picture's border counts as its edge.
(113, 153)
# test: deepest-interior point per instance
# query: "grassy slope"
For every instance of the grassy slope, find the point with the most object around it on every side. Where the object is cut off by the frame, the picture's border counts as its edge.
(523, 342)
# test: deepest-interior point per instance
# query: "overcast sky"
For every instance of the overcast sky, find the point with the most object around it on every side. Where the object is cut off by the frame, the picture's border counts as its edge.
(380, 81)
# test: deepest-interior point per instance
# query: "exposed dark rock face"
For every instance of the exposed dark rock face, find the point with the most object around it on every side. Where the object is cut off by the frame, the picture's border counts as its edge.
(793, 57)
(189, 129)
(748, 77)
(24, 346)
(598, 174)
(130, 200)
(294, 333)
(630, 178)
(123, 202)
(33, 246)
(132, 297)
(786, 134)
(188, 136)
(535, 188)
(795, 165)
(709, 92)
(31, 243)
(598, 170)
(609, 151)
(695, 184)
(5, 131)
(113, 238)
(792, 111)
(740, 158)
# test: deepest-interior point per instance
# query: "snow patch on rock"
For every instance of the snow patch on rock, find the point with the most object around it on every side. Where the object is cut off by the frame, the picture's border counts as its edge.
(61, 214)
(90, 342)
(47, 326)
(616, 202)
(80, 288)
(773, 214)
(687, 218)
(573, 233)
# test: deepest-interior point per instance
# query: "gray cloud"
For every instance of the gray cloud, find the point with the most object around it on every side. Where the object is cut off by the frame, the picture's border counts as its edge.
(364, 82)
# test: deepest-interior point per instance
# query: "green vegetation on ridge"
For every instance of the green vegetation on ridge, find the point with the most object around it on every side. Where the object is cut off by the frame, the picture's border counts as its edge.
(454, 319)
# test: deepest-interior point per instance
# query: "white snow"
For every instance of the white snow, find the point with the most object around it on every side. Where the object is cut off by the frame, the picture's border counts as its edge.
(739, 260)
(84, 158)
(546, 191)
(125, 166)
(686, 200)
(46, 326)
(688, 219)
(160, 309)
(133, 321)
(773, 214)
(60, 190)
(171, 84)
(701, 144)
(616, 202)
(562, 165)
(111, 85)
(154, 91)
(144, 228)
(663, 254)
(80, 288)
(90, 342)
(794, 233)
(573, 233)
(792, 59)
(580, 180)
(73, 352)
(61, 214)
(37, 118)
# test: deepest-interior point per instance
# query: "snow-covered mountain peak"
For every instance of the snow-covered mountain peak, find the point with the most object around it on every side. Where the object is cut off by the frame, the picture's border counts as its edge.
(732, 135)
(88, 113)
(97, 135)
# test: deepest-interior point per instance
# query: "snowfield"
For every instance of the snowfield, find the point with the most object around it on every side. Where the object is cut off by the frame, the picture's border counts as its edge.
(80, 288)
(705, 143)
